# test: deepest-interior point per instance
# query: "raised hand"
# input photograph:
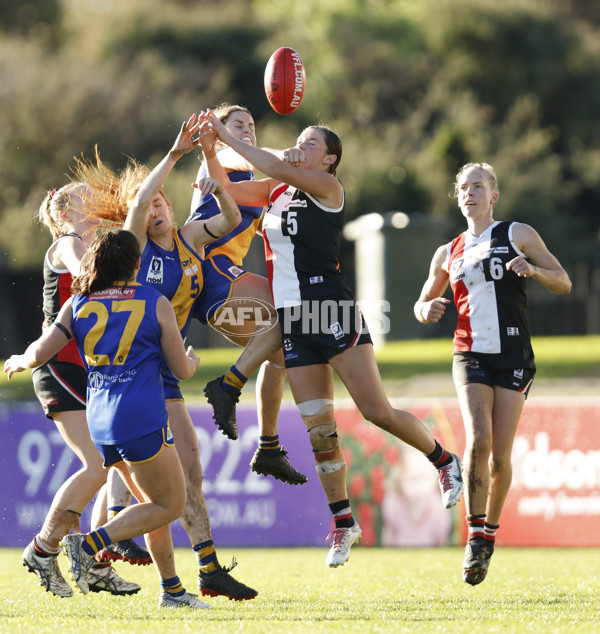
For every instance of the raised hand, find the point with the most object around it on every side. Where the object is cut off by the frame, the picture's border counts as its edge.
(185, 142)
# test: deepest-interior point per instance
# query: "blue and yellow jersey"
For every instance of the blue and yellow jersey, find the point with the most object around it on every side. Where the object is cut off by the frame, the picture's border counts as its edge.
(176, 273)
(236, 243)
(118, 336)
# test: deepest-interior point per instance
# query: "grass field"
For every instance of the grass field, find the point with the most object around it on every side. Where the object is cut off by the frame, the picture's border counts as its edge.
(379, 590)
(557, 358)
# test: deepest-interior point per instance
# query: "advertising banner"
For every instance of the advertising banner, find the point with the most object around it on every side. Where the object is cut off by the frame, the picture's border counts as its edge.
(554, 499)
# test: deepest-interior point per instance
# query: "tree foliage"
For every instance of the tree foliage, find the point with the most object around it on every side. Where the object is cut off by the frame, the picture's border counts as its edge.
(415, 89)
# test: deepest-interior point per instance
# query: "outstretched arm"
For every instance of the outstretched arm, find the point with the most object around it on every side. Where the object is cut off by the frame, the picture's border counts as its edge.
(137, 216)
(249, 193)
(199, 232)
(544, 267)
(54, 338)
(324, 186)
(431, 306)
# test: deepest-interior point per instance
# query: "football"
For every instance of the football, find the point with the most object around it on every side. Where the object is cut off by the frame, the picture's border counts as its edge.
(285, 80)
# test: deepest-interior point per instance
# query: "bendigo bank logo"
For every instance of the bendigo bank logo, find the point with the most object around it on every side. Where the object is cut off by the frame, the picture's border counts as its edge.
(235, 315)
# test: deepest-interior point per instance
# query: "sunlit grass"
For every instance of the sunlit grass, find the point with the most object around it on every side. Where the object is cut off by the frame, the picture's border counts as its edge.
(379, 590)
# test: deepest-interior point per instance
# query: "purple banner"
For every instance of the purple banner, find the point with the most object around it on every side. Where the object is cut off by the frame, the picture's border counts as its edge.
(245, 509)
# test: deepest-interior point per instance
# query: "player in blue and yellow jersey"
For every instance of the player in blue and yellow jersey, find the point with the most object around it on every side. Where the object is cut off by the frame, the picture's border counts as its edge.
(60, 385)
(171, 263)
(228, 286)
(123, 330)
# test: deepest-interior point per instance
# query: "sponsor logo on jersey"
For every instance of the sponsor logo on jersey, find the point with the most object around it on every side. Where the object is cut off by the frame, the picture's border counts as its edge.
(500, 250)
(155, 271)
(299, 203)
(191, 270)
(114, 292)
(235, 271)
(317, 279)
(95, 380)
(98, 381)
(512, 331)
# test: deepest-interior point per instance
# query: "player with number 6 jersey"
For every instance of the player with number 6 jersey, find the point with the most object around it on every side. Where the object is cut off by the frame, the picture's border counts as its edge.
(491, 302)
(487, 267)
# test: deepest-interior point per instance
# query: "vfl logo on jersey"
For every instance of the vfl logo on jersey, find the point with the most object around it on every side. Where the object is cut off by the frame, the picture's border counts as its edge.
(316, 280)
(512, 331)
(337, 330)
(155, 271)
(518, 374)
(169, 434)
(456, 270)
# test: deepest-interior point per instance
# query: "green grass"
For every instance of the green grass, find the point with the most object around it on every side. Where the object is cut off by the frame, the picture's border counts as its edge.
(557, 357)
(379, 590)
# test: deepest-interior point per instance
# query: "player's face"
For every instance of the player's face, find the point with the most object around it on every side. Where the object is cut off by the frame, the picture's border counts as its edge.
(160, 218)
(241, 125)
(77, 212)
(475, 193)
(316, 157)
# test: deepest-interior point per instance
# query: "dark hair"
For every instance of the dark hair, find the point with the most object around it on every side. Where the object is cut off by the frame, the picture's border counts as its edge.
(333, 143)
(112, 258)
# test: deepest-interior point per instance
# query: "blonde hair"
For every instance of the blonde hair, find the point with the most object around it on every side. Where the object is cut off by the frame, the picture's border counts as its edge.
(70, 196)
(484, 167)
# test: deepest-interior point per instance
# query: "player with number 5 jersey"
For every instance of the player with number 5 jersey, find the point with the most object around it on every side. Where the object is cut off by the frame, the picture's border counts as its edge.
(322, 328)
(172, 264)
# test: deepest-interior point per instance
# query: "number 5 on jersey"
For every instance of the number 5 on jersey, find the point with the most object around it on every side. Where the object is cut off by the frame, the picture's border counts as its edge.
(289, 225)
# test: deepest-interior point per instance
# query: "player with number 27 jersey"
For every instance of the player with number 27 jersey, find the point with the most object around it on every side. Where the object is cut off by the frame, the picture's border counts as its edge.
(118, 337)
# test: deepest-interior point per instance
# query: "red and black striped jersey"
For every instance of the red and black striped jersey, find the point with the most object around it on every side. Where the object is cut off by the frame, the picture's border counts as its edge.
(491, 301)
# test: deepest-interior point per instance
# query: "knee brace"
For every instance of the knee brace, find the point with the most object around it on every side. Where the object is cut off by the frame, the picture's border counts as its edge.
(322, 431)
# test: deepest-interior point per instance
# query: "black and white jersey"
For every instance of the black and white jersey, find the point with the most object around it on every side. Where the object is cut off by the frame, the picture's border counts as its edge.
(302, 246)
(490, 300)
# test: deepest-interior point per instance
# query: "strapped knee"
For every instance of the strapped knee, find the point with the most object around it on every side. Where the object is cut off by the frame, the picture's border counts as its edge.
(322, 431)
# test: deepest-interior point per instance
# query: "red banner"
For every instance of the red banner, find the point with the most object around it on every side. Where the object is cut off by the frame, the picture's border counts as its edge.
(554, 498)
